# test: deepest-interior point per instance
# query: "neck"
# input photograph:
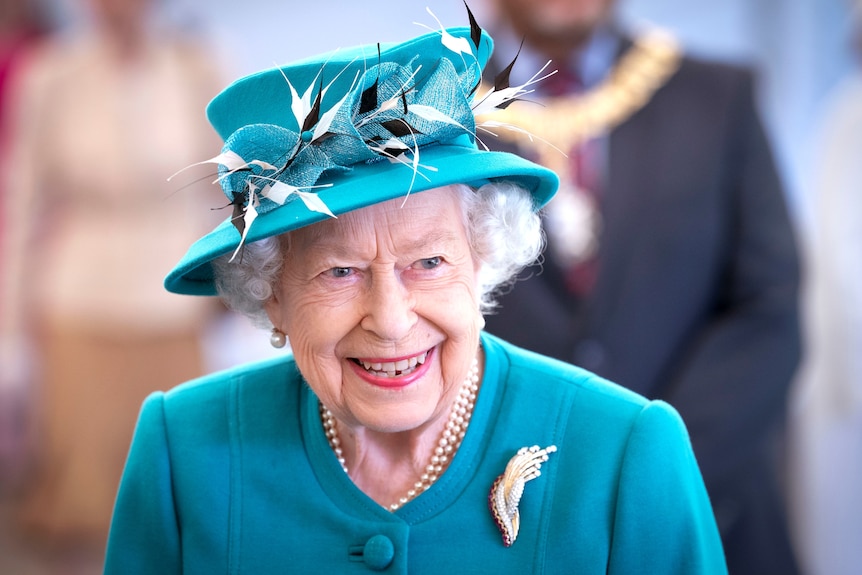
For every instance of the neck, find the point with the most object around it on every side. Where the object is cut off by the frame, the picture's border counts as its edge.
(399, 457)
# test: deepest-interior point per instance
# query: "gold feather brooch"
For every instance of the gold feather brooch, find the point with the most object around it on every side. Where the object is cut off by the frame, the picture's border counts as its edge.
(507, 489)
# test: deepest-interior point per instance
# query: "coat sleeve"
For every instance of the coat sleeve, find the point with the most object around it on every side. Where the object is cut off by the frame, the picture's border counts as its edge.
(732, 385)
(144, 535)
(663, 519)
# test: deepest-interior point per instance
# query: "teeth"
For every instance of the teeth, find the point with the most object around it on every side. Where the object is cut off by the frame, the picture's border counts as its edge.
(394, 368)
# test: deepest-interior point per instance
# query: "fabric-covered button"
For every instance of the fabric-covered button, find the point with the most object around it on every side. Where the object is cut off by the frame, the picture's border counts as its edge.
(378, 552)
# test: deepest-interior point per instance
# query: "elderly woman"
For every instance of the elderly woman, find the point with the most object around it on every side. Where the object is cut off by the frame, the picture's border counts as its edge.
(370, 230)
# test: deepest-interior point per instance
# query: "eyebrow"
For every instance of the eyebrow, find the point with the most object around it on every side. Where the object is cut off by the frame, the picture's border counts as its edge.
(433, 237)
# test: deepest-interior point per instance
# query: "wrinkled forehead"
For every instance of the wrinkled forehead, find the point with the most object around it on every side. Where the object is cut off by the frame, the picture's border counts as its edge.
(431, 217)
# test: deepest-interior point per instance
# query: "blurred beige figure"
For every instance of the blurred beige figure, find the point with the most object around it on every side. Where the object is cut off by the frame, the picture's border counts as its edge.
(21, 28)
(103, 118)
(827, 414)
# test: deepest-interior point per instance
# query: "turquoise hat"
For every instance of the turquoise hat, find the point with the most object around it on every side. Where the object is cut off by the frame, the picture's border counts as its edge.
(345, 130)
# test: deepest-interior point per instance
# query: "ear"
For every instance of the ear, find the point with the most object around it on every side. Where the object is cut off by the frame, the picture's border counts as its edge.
(273, 306)
(273, 309)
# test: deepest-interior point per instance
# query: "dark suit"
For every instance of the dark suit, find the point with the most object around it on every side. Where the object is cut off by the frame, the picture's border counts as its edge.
(696, 296)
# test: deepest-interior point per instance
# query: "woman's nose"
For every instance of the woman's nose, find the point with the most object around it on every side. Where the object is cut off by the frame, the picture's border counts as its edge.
(389, 311)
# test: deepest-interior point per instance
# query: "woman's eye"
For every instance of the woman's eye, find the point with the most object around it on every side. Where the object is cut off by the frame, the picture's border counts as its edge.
(430, 263)
(340, 272)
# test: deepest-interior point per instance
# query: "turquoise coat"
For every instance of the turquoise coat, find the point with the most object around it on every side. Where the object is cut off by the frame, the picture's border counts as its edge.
(232, 473)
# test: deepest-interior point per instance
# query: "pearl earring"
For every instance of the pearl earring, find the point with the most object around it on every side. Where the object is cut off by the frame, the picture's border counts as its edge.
(277, 338)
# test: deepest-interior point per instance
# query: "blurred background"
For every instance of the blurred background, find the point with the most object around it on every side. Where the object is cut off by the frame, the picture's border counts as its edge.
(807, 62)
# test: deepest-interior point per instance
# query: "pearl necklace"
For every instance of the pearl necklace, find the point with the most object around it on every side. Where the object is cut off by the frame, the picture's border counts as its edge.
(450, 439)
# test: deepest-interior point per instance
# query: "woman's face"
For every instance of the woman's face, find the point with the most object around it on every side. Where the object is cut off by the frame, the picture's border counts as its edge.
(382, 310)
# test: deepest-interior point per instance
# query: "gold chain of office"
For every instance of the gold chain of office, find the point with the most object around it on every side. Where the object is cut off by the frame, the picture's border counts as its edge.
(566, 121)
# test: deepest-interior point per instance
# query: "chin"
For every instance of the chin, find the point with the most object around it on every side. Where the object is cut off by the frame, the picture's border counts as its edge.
(564, 32)
(398, 419)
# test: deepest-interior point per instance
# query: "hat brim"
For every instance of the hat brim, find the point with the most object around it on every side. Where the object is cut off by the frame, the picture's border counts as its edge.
(363, 185)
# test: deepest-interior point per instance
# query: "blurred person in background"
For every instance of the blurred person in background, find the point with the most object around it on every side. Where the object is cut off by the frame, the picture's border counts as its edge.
(685, 285)
(22, 25)
(827, 403)
(102, 117)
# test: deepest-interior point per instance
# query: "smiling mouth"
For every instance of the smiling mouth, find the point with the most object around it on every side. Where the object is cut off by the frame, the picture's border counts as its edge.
(393, 368)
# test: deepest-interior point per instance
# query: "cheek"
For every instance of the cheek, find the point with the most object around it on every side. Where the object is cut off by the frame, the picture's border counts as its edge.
(454, 305)
(319, 366)
(312, 317)
(315, 331)
(455, 312)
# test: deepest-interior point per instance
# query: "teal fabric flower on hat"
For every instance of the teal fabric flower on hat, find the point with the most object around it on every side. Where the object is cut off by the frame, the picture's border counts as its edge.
(389, 112)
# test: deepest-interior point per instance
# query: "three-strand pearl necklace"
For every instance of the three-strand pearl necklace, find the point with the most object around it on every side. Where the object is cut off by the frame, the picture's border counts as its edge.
(448, 444)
